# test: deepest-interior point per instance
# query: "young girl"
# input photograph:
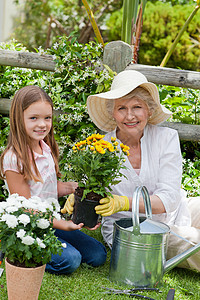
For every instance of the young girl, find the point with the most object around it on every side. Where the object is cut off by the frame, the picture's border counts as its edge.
(29, 166)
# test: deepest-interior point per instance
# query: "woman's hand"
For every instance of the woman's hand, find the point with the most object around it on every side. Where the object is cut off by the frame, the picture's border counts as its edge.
(112, 204)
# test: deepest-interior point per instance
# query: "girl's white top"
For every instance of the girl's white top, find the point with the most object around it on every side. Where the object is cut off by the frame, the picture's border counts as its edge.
(46, 167)
(161, 172)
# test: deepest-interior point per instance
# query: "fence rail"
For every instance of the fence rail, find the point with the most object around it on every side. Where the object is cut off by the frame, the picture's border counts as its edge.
(118, 56)
(27, 60)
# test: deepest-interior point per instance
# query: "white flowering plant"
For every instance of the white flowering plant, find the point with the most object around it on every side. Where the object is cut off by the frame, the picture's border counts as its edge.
(26, 230)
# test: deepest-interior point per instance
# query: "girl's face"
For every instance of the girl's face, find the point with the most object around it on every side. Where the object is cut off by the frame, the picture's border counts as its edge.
(38, 121)
(131, 116)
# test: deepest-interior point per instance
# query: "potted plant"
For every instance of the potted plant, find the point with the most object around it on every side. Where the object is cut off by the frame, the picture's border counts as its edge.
(94, 164)
(27, 240)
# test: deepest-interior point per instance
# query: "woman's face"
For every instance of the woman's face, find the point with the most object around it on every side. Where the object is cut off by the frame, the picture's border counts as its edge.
(131, 116)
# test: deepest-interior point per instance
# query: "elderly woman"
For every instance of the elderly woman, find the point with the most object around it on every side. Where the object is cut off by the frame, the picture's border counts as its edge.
(130, 112)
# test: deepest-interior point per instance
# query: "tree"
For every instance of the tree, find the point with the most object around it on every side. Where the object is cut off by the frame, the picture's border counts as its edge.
(44, 20)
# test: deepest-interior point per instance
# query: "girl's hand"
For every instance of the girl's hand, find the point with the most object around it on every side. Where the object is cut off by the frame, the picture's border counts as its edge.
(94, 228)
(70, 226)
(66, 188)
(66, 225)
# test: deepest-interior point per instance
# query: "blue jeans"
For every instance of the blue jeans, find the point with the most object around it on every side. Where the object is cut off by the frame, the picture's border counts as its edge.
(80, 248)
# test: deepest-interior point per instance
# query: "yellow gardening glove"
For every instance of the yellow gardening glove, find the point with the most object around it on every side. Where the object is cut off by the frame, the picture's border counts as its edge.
(111, 205)
(69, 205)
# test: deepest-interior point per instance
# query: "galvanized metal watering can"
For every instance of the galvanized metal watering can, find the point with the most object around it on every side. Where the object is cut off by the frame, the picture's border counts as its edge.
(138, 256)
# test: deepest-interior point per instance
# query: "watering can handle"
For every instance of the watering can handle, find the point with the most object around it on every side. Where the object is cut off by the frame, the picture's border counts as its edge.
(135, 207)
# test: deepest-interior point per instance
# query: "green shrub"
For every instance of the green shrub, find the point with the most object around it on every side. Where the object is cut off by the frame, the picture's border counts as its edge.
(161, 24)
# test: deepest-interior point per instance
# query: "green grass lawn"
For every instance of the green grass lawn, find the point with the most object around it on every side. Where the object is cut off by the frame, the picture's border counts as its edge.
(87, 283)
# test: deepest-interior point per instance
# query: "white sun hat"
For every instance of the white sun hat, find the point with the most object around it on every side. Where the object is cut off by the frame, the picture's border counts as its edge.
(124, 83)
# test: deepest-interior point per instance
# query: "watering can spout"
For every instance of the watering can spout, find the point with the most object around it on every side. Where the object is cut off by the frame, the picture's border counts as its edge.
(172, 262)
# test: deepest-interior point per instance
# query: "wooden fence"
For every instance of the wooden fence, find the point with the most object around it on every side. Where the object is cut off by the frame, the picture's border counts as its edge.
(118, 56)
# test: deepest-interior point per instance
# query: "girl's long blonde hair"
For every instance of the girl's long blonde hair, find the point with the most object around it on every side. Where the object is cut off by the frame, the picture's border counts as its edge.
(19, 141)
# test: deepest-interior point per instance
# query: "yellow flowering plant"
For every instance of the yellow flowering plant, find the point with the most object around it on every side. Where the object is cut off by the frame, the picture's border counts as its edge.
(95, 164)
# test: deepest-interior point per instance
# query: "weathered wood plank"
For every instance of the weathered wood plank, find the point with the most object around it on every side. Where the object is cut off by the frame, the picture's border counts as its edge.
(117, 55)
(168, 76)
(186, 132)
(5, 106)
(27, 60)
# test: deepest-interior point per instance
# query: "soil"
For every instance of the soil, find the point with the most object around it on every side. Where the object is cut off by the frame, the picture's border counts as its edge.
(90, 196)
(22, 265)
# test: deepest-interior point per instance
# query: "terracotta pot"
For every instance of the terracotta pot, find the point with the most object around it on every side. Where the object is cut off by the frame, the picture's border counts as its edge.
(84, 212)
(23, 283)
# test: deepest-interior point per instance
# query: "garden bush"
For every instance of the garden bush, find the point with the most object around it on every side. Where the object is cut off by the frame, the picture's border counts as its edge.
(161, 24)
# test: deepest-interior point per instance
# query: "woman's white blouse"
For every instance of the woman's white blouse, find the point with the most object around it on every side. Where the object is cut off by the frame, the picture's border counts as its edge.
(161, 172)
(46, 167)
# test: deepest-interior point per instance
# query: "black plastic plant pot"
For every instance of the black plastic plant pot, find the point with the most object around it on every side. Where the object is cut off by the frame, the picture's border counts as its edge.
(84, 212)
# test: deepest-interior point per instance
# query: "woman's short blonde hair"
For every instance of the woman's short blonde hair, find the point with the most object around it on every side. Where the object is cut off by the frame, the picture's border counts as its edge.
(140, 93)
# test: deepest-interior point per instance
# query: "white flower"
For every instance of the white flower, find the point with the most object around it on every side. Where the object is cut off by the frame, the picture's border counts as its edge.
(43, 207)
(27, 204)
(40, 243)
(54, 202)
(11, 209)
(21, 233)
(64, 245)
(10, 220)
(36, 199)
(12, 201)
(28, 240)
(55, 46)
(24, 219)
(13, 196)
(3, 205)
(43, 224)
(56, 216)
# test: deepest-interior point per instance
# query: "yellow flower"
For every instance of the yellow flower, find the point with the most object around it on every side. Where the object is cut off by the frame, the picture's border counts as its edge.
(92, 148)
(127, 152)
(115, 143)
(99, 148)
(124, 147)
(111, 149)
(98, 136)
(113, 139)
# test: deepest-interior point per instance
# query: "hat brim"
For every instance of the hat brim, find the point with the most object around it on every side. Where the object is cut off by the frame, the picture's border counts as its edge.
(97, 107)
